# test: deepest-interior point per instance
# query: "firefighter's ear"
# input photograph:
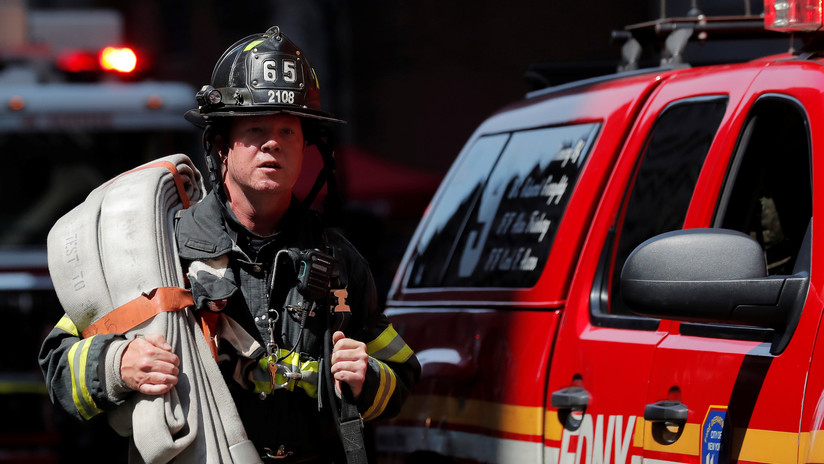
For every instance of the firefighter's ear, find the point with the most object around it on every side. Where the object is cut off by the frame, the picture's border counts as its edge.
(222, 149)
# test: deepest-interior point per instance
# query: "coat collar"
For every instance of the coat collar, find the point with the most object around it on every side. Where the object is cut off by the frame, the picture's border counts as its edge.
(210, 229)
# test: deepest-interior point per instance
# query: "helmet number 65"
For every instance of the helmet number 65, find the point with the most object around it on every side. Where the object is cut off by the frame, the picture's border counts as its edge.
(270, 71)
(281, 96)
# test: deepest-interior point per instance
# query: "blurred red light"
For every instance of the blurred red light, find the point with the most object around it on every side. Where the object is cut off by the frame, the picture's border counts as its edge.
(122, 60)
(77, 61)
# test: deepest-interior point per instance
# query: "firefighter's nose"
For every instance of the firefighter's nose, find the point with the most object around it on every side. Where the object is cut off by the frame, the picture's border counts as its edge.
(271, 145)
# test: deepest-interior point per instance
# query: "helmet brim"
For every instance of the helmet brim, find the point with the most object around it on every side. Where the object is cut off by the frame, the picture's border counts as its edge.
(201, 120)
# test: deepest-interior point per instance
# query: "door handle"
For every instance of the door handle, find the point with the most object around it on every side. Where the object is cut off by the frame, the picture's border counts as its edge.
(570, 398)
(572, 403)
(668, 419)
(668, 410)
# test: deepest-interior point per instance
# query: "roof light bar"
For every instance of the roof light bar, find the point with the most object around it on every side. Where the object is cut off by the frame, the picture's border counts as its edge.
(793, 15)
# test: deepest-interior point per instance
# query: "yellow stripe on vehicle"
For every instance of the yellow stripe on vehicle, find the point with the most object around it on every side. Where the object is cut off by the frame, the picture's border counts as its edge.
(18, 387)
(505, 418)
(767, 446)
(811, 446)
(67, 325)
(757, 445)
(688, 443)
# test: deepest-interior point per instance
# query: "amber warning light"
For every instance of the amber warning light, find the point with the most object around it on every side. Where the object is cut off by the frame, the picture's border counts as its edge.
(793, 15)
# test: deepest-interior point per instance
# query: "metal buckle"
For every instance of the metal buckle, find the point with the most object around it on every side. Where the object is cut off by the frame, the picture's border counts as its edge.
(280, 454)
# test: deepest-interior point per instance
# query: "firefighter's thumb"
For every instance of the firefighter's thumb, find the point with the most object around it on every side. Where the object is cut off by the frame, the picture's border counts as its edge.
(158, 340)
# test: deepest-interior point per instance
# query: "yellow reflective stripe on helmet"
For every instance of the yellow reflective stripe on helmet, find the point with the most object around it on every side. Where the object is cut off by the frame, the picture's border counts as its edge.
(389, 346)
(67, 325)
(252, 45)
(385, 389)
(77, 367)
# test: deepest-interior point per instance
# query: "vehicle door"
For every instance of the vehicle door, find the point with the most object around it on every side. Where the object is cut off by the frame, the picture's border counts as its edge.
(480, 292)
(604, 353)
(729, 386)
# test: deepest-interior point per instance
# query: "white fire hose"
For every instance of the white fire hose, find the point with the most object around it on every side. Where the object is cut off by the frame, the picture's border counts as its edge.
(117, 245)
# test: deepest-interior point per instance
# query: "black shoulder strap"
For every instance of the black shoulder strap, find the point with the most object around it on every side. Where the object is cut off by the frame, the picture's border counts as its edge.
(348, 420)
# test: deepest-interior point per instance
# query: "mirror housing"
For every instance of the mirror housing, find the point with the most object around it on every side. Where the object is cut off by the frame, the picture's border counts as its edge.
(712, 276)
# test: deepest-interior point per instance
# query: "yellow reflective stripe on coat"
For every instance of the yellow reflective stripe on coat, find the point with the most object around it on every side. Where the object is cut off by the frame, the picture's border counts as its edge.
(78, 356)
(67, 325)
(389, 346)
(262, 379)
(385, 389)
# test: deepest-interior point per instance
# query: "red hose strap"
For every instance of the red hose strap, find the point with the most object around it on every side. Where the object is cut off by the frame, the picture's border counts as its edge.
(141, 309)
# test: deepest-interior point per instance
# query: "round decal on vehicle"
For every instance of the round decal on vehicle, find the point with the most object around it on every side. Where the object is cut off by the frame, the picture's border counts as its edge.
(715, 436)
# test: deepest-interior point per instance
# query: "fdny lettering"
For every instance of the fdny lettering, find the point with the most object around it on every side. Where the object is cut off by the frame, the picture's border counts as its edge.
(590, 445)
(341, 295)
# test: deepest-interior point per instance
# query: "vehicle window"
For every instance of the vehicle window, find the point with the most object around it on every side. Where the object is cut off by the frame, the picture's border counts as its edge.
(665, 179)
(502, 209)
(768, 192)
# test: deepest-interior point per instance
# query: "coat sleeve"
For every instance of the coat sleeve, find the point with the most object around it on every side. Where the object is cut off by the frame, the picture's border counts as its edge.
(393, 368)
(76, 369)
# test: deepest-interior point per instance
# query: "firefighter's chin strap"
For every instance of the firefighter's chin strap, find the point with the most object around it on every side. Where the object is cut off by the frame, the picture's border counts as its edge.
(332, 203)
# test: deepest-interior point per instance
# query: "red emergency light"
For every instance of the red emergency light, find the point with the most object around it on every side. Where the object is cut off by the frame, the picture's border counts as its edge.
(122, 60)
(793, 15)
(76, 61)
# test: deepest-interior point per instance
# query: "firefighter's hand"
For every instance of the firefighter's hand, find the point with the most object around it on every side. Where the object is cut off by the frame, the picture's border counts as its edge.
(349, 361)
(149, 366)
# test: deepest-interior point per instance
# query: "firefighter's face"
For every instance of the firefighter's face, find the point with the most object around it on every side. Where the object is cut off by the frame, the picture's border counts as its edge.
(264, 155)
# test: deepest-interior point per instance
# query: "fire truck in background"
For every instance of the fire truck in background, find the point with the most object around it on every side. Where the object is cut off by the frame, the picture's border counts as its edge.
(76, 108)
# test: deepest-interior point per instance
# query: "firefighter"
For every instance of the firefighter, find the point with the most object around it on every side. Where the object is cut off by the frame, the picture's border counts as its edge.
(250, 249)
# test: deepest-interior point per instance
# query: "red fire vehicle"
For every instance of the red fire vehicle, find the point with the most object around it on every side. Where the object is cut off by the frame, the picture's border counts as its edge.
(622, 270)
(72, 117)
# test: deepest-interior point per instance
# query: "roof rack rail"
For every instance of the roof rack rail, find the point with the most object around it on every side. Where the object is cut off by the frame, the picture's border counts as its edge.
(673, 34)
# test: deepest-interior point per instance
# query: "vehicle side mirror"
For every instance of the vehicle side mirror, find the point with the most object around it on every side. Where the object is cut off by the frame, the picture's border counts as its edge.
(714, 276)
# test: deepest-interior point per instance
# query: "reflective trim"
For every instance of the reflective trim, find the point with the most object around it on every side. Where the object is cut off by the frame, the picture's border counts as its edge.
(252, 45)
(386, 388)
(389, 346)
(262, 379)
(77, 367)
(67, 325)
